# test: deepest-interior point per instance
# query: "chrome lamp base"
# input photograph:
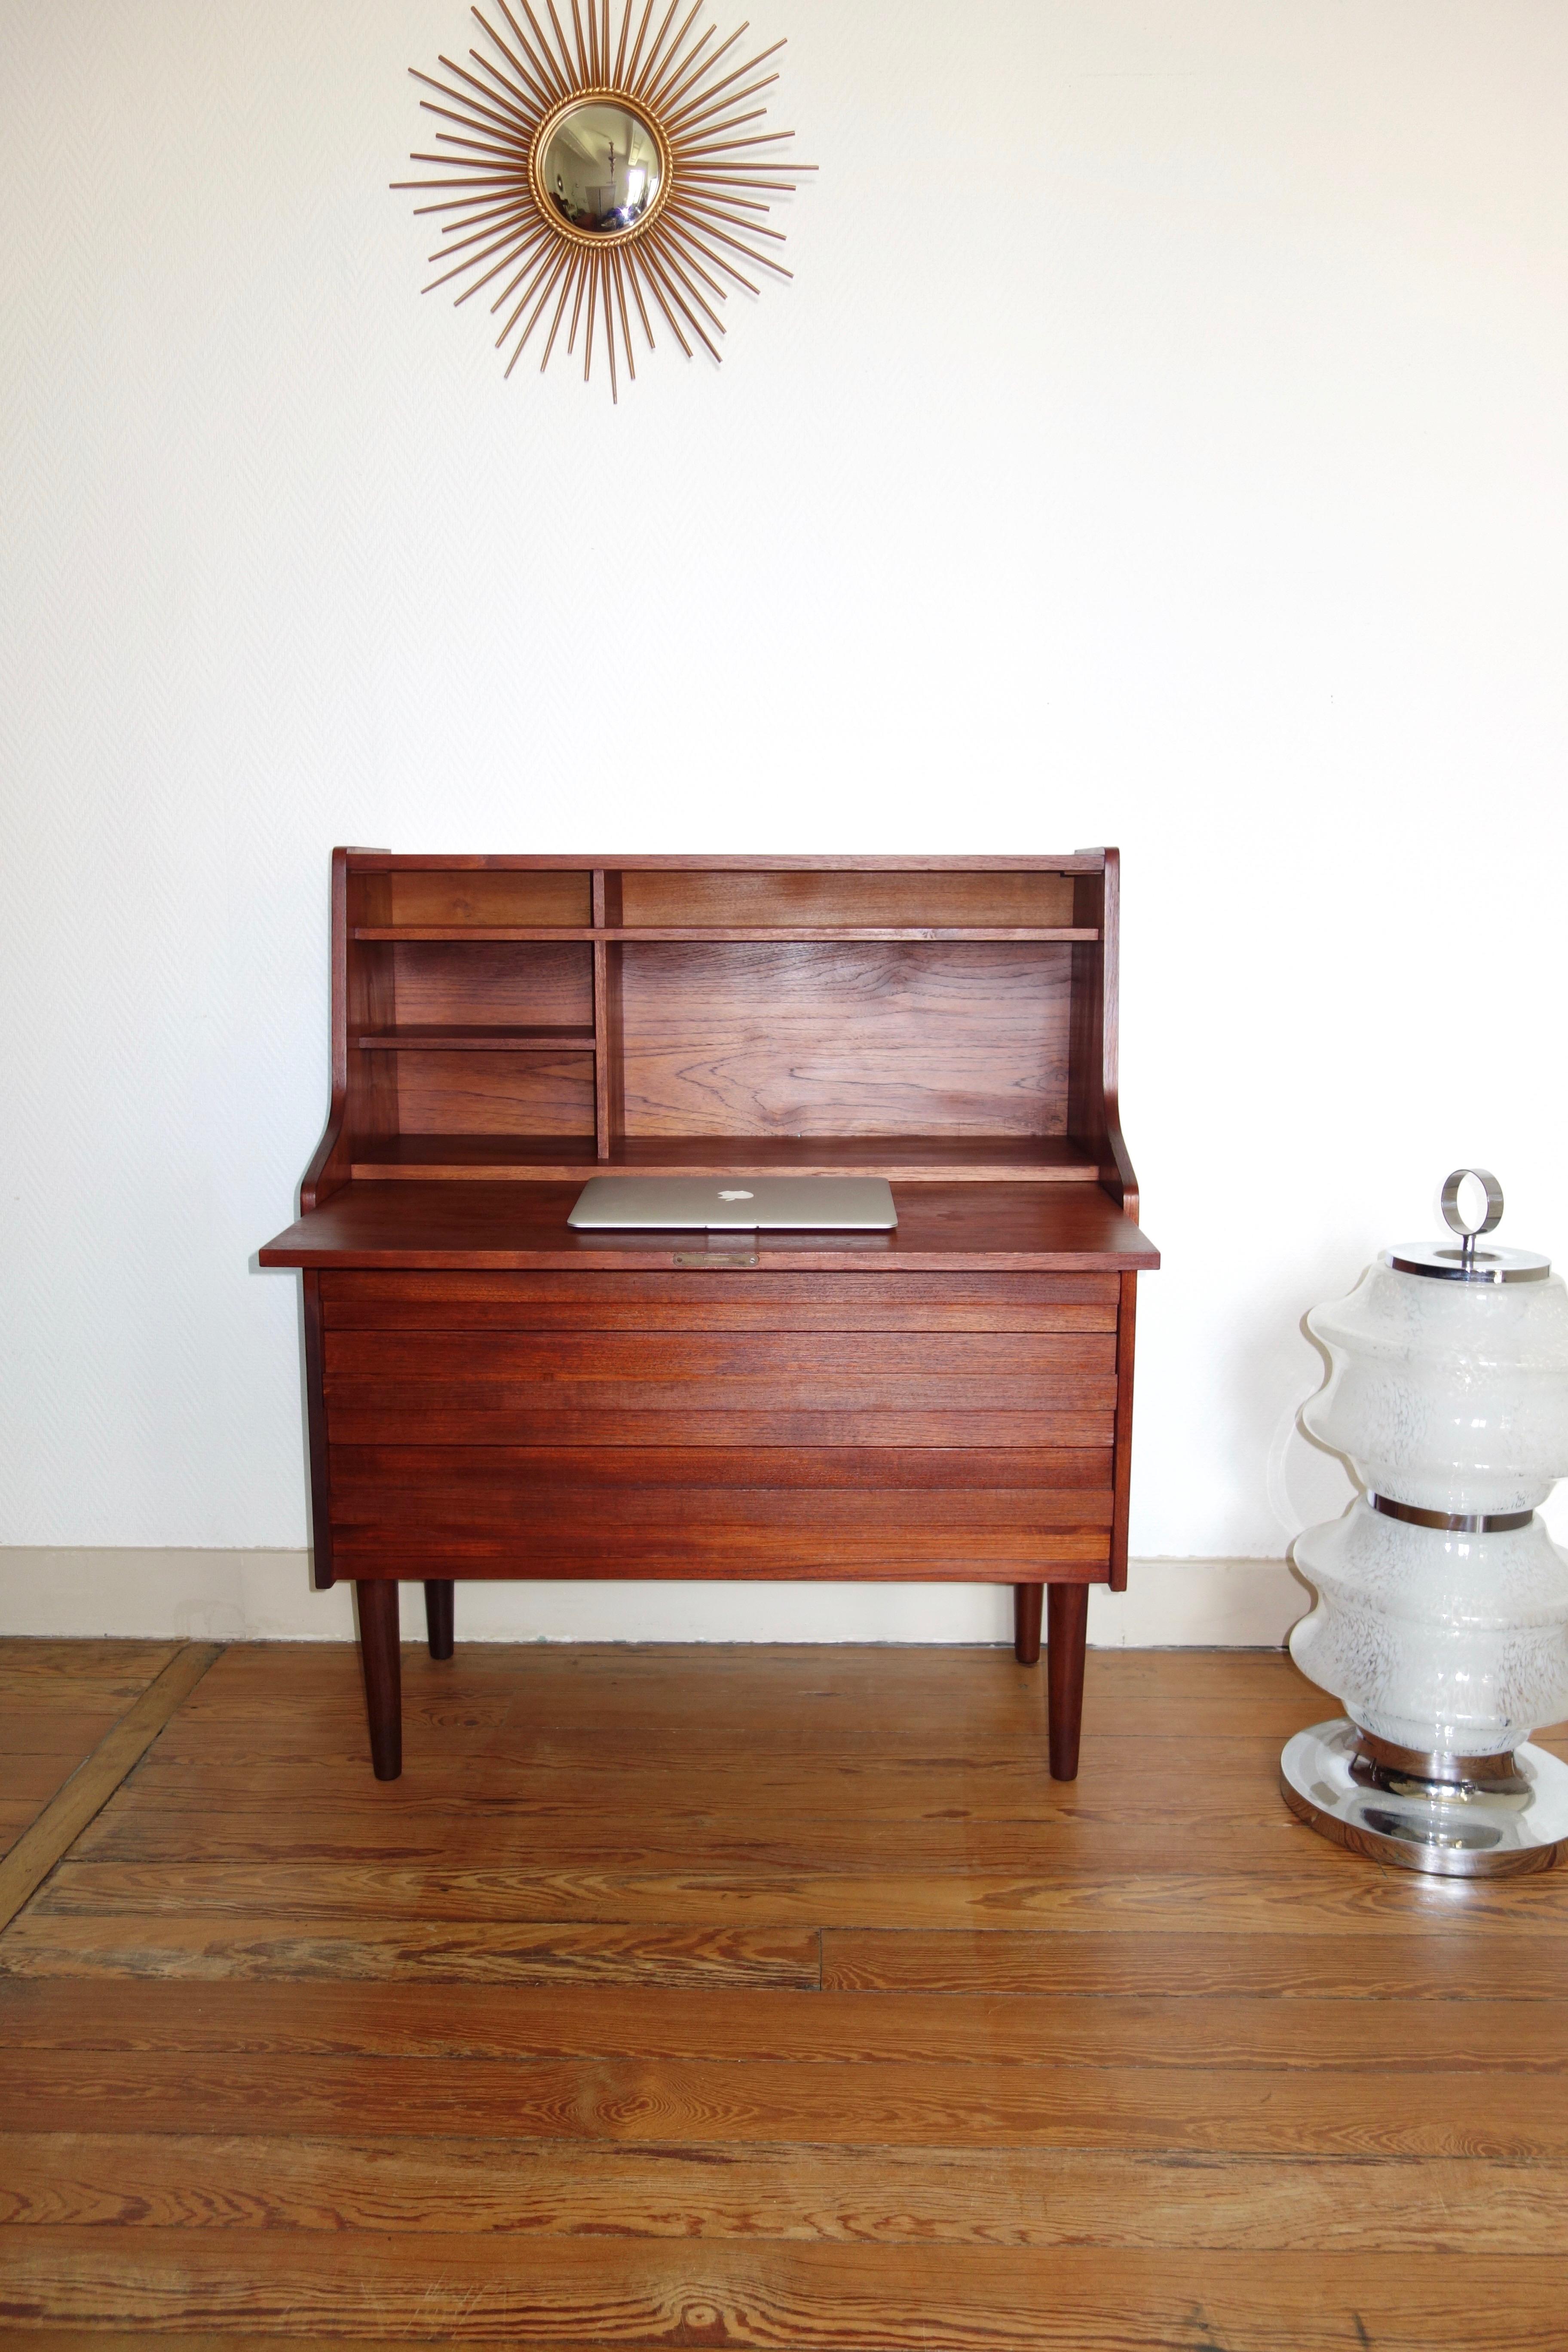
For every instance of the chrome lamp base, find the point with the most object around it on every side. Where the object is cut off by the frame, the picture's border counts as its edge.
(1455, 1816)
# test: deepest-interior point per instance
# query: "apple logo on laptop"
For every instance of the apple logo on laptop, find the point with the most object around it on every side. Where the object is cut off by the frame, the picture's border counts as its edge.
(737, 1196)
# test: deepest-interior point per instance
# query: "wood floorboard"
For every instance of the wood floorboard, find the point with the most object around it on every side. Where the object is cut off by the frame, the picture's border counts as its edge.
(595, 1952)
(1482, 2032)
(775, 1998)
(849, 2195)
(1407, 1966)
(815, 1846)
(845, 1729)
(31, 1780)
(64, 1738)
(1253, 2111)
(468, 2289)
(1122, 1782)
(1434, 1963)
(43, 1674)
(85, 1903)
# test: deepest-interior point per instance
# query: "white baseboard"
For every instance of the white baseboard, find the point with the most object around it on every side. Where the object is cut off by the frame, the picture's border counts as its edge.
(234, 1596)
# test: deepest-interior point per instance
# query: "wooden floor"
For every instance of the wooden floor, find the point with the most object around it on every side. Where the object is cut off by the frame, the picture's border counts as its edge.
(756, 1997)
(58, 1699)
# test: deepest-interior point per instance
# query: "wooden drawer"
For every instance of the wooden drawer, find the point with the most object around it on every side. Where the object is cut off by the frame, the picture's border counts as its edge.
(619, 1424)
(435, 1525)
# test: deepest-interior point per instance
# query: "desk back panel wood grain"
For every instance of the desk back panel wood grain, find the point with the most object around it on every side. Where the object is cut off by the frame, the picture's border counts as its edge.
(491, 1394)
(855, 1038)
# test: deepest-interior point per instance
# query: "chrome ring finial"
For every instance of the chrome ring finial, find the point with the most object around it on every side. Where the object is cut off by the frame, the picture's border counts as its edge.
(1455, 1217)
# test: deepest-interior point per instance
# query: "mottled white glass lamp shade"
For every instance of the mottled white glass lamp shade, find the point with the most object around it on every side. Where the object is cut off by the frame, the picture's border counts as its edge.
(1442, 1612)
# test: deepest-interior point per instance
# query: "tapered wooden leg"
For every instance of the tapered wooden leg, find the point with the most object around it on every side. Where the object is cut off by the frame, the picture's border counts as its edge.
(438, 1615)
(382, 1674)
(1026, 1600)
(1068, 1625)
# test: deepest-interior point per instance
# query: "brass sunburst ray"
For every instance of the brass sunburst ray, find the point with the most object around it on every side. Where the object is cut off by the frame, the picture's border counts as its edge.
(650, 61)
(673, 256)
(509, 245)
(472, 111)
(521, 109)
(476, 221)
(698, 73)
(544, 60)
(553, 264)
(537, 270)
(621, 305)
(653, 260)
(710, 100)
(581, 163)
(659, 96)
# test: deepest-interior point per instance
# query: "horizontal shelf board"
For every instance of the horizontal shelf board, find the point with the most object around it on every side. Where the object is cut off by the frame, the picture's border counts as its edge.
(539, 1039)
(905, 1159)
(388, 861)
(477, 933)
(777, 934)
(783, 933)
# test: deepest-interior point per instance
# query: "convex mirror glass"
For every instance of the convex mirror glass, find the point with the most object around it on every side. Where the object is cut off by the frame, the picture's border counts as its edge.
(601, 168)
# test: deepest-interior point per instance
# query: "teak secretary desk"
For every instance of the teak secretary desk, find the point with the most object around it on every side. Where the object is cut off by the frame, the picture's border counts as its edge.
(493, 1393)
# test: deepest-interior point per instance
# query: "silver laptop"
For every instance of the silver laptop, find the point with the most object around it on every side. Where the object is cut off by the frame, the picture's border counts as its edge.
(738, 1203)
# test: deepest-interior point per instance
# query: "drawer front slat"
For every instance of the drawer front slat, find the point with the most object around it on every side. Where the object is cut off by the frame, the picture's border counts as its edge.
(520, 1470)
(746, 1552)
(778, 1358)
(526, 1517)
(440, 1292)
(431, 1417)
(737, 1312)
(799, 1394)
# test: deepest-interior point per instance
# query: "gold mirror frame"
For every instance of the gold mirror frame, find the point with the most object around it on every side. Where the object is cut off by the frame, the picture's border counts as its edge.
(679, 246)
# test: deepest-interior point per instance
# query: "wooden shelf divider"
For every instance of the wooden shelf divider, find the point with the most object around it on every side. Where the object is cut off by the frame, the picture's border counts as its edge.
(609, 1063)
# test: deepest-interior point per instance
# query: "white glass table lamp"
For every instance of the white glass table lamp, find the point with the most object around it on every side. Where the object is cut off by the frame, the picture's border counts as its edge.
(1442, 1612)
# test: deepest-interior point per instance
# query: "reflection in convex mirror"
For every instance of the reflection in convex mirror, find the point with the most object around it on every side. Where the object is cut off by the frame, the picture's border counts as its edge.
(601, 168)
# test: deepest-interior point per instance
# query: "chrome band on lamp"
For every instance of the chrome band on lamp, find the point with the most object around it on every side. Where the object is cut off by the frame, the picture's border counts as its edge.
(1458, 1523)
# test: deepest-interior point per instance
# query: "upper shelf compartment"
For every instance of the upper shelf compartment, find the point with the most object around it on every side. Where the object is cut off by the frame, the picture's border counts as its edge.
(529, 1016)
(731, 900)
(727, 903)
(443, 903)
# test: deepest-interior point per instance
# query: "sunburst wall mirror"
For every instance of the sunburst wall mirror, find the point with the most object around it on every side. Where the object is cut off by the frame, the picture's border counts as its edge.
(602, 185)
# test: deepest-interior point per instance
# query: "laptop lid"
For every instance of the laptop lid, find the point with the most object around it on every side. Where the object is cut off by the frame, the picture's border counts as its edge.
(736, 1203)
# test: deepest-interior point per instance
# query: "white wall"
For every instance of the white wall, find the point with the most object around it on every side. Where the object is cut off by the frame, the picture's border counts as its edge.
(1207, 498)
